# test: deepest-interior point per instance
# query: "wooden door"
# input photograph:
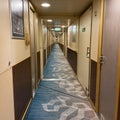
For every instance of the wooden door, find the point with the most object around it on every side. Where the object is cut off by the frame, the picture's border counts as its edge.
(109, 59)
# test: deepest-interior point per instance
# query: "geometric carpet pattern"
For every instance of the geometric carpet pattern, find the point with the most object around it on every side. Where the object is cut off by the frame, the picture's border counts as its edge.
(60, 96)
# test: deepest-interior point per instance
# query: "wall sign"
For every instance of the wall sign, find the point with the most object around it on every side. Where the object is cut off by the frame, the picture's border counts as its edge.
(83, 29)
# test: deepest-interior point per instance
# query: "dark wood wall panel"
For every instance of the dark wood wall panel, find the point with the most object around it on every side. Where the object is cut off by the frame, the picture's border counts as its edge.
(52, 45)
(48, 51)
(38, 64)
(72, 59)
(93, 81)
(22, 87)
(61, 46)
(44, 55)
(119, 109)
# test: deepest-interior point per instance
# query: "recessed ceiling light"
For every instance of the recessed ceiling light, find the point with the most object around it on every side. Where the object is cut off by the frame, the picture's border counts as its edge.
(45, 5)
(49, 20)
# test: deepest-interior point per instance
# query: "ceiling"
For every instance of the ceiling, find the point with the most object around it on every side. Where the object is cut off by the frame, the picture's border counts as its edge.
(62, 12)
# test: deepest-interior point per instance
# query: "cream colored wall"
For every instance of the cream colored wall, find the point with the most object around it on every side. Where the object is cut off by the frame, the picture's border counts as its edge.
(60, 39)
(45, 37)
(48, 37)
(37, 42)
(6, 96)
(19, 51)
(5, 41)
(6, 83)
(95, 29)
(51, 40)
(37, 33)
(63, 38)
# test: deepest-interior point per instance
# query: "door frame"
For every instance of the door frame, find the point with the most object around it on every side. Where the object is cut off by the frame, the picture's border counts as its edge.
(65, 41)
(98, 78)
(118, 88)
(33, 10)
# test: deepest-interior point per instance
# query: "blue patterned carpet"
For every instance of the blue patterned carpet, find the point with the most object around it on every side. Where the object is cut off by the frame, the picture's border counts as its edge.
(59, 95)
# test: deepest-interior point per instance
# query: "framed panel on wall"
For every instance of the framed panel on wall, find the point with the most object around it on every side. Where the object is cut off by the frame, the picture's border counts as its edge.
(74, 31)
(17, 18)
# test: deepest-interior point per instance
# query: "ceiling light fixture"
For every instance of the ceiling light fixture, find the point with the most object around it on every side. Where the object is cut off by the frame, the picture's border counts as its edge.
(49, 20)
(45, 5)
(52, 29)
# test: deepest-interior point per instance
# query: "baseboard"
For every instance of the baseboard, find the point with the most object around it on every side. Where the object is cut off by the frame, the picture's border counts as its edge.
(102, 117)
(26, 109)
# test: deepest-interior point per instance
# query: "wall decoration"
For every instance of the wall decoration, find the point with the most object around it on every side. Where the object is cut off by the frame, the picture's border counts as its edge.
(17, 18)
(74, 31)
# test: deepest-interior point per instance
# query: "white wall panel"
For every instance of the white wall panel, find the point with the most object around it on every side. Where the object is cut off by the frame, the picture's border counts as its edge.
(5, 44)
(6, 96)
(73, 36)
(19, 51)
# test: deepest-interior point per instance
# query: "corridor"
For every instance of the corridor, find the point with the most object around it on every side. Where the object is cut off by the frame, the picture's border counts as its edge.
(59, 59)
(59, 95)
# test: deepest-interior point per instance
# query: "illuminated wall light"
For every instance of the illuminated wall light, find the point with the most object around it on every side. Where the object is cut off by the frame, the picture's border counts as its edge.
(45, 5)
